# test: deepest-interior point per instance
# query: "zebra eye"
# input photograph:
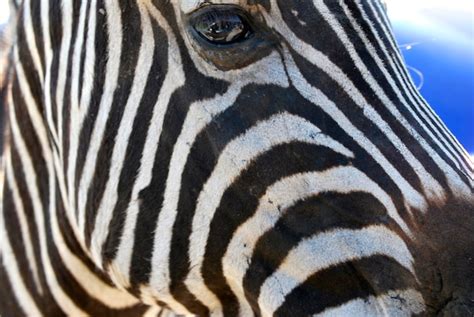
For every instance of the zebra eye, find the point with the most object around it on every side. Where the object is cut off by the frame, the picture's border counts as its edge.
(228, 36)
(221, 26)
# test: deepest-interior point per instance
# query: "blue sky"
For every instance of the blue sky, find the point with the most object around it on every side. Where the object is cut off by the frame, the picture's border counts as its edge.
(437, 41)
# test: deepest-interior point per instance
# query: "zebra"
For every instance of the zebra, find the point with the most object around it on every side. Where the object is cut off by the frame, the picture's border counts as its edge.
(226, 158)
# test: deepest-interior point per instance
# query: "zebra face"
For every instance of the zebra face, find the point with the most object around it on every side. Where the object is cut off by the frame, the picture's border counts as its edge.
(226, 157)
(213, 150)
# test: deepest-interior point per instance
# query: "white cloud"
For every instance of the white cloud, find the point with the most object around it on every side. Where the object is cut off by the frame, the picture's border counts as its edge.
(411, 9)
(441, 18)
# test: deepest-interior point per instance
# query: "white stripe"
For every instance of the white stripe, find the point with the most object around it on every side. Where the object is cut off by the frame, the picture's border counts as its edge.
(198, 116)
(436, 192)
(68, 200)
(384, 23)
(66, 23)
(412, 197)
(432, 188)
(153, 311)
(395, 303)
(31, 40)
(87, 279)
(114, 52)
(448, 136)
(72, 105)
(110, 196)
(237, 156)
(63, 300)
(24, 228)
(174, 79)
(22, 295)
(80, 103)
(281, 196)
(48, 57)
(325, 250)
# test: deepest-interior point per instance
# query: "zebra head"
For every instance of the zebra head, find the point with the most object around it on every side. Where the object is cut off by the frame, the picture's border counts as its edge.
(229, 157)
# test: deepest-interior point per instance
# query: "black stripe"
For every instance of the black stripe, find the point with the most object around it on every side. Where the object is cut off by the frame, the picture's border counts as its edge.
(26, 61)
(73, 245)
(65, 105)
(14, 233)
(9, 305)
(330, 44)
(336, 51)
(131, 30)
(73, 288)
(448, 136)
(305, 219)
(100, 70)
(439, 128)
(31, 140)
(241, 199)
(152, 196)
(55, 17)
(363, 161)
(137, 141)
(338, 284)
(203, 157)
(201, 161)
(88, 13)
(47, 303)
(38, 32)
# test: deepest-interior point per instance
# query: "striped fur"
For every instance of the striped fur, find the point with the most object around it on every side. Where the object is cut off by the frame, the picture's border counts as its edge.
(141, 178)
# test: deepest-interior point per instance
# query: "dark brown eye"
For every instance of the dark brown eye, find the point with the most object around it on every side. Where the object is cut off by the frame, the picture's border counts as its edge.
(222, 26)
(227, 36)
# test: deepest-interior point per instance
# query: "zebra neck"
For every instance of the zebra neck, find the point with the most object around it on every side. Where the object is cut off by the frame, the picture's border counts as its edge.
(42, 261)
